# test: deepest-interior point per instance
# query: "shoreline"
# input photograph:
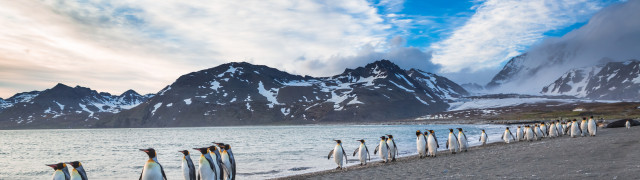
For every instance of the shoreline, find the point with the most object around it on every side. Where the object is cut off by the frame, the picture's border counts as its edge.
(613, 153)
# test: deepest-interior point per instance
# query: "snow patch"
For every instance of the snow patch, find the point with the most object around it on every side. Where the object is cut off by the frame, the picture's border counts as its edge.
(271, 96)
(155, 107)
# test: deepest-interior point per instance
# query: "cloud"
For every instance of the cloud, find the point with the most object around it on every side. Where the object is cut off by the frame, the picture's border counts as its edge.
(610, 35)
(501, 29)
(117, 45)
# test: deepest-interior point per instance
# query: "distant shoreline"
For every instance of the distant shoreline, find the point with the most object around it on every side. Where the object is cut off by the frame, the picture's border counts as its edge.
(612, 154)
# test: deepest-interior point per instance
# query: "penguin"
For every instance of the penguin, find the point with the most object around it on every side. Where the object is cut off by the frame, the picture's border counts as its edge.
(78, 172)
(232, 157)
(432, 144)
(564, 128)
(507, 136)
(592, 127)
(383, 148)
(421, 144)
(206, 168)
(484, 137)
(627, 124)
(528, 133)
(553, 131)
(583, 127)
(361, 150)
(452, 142)
(575, 129)
(538, 132)
(152, 169)
(519, 134)
(338, 153)
(60, 171)
(188, 169)
(393, 149)
(543, 129)
(462, 140)
(216, 158)
(559, 128)
(226, 162)
(567, 130)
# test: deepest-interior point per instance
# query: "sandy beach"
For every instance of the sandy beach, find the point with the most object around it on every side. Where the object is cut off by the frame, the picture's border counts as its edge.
(613, 154)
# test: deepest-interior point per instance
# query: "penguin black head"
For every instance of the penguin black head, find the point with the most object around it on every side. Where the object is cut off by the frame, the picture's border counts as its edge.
(361, 140)
(75, 164)
(390, 136)
(418, 133)
(213, 148)
(383, 137)
(482, 130)
(226, 147)
(459, 129)
(150, 152)
(56, 166)
(450, 130)
(591, 117)
(519, 127)
(584, 118)
(219, 144)
(507, 128)
(431, 131)
(338, 141)
(202, 150)
(185, 152)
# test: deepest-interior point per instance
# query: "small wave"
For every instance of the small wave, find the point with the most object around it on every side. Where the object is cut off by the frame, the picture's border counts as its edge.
(259, 173)
(299, 168)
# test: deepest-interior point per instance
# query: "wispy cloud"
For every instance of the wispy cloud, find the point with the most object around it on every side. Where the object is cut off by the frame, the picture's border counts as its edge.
(117, 45)
(501, 29)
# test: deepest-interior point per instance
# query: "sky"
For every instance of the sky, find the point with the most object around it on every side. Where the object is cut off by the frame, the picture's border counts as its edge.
(112, 46)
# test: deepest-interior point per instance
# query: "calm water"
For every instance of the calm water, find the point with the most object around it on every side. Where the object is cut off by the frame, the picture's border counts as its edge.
(261, 151)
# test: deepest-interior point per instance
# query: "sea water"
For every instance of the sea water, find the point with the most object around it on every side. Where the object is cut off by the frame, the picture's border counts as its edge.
(261, 151)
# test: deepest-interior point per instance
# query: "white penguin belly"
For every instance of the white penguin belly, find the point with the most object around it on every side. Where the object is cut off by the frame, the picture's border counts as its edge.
(152, 171)
(433, 146)
(383, 151)
(392, 150)
(185, 169)
(421, 144)
(362, 154)
(337, 155)
(592, 127)
(58, 175)
(205, 170)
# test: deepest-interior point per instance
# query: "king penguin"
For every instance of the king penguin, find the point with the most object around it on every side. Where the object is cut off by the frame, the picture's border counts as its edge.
(432, 144)
(592, 127)
(206, 167)
(78, 172)
(483, 137)
(338, 153)
(363, 152)
(528, 133)
(232, 157)
(553, 131)
(188, 169)
(538, 132)
(393, 149)
(60, 171)
(519, 134)
(575, 129)
(383, 148)
(543, 129)
(452, 142)
(507, 136)
(583, 127)
(214, 152)
(421, 144)
(462, 140)
(152, 169)
(627, 124)
(226, 162)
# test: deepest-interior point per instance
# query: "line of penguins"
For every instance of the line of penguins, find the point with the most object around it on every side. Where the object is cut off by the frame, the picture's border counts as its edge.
(427, 142)
(216, 163)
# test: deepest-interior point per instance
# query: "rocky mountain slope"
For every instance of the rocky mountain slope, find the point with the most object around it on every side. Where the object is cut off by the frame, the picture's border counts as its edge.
(63, 106)
(611, 81)
(246, 94)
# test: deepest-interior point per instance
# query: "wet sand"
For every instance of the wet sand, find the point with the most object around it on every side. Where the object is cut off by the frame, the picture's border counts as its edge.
(613, 154)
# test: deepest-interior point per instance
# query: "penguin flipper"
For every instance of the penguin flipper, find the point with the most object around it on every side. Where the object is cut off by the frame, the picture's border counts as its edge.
(345, 155)
(330, 153)
(224, 169)
(368, 154)
(437, 144)
(162, 171)
(375, 151)
(354, 152)
(395, 147)
(141, 174)
(447, 146)
(513, 137)
(465, 136)
(198, 176)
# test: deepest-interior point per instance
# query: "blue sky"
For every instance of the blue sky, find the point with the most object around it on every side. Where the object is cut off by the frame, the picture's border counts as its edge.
(144, 45)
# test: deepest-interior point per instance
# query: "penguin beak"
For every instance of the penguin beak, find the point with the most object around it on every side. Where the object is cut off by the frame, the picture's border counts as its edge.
(145, 150)
(52, 165)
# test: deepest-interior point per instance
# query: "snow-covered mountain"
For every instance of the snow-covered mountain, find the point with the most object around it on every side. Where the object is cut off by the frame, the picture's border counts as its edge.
(247, 94)
(64, 106)
(611, 81)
